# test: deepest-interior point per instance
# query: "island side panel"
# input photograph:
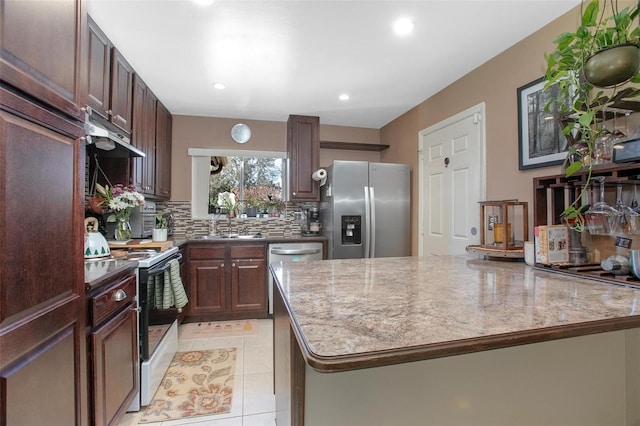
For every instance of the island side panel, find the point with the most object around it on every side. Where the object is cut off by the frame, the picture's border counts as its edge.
(574, 381)
(633, 375)
(288, 367)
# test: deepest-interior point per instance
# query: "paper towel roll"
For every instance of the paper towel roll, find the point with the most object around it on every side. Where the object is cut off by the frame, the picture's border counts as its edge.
(320, 175)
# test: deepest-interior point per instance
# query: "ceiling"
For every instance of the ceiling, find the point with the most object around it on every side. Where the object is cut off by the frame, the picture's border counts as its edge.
(281, 57)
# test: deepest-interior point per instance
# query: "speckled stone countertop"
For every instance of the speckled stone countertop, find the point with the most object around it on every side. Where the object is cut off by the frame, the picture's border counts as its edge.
(101, 271)
(359, 313)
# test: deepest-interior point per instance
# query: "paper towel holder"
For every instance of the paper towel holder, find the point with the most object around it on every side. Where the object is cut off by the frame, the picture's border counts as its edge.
(320, 175)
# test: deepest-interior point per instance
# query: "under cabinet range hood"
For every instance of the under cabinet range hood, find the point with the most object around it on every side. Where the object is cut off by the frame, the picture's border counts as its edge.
(107, 143)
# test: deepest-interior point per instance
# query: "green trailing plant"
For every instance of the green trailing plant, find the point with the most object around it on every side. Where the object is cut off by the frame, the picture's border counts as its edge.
(580, 104)
(161, 221)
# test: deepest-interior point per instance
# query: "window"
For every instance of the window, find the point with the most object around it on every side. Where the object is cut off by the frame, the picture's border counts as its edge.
(259, 172)
(256, 183)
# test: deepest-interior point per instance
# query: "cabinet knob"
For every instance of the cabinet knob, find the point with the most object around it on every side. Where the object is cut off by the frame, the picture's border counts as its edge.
(120, 295)
(222, 265)
(233, 265)
(109, 112)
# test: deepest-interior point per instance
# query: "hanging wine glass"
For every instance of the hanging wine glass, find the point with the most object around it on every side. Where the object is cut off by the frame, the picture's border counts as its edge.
(632, 215)
(620, 223)
(601, 217)
(603, 147)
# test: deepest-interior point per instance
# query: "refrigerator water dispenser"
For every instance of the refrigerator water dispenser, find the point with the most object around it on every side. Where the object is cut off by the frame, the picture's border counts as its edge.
(351, 230)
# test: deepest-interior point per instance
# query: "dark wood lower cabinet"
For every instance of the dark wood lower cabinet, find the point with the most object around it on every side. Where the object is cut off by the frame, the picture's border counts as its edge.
(227, 281)
(39, 388)
(114, 351)
(247, 284)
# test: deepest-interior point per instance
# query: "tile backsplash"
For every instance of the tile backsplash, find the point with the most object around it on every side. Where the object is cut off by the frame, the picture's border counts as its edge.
(285, 226)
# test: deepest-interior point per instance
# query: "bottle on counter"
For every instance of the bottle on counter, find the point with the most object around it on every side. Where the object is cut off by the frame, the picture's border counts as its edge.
(213, 226)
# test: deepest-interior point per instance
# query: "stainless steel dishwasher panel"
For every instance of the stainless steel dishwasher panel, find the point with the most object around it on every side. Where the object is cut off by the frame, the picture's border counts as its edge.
(296, 252)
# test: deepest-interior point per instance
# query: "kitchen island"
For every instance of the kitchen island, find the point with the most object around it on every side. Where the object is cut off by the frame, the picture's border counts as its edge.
(452, 340)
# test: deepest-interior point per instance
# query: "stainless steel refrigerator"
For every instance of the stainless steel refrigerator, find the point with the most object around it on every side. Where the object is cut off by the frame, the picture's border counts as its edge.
(365, 210)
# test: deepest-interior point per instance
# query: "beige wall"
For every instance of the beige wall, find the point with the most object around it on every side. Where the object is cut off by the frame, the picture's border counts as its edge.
(495, 83)
(215, 133)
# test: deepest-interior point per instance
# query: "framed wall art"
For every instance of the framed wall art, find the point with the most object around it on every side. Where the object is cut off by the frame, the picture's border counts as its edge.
(541, 141)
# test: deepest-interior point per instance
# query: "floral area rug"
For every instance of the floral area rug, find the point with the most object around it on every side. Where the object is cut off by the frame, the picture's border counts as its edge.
(200, 330)
(197, 383)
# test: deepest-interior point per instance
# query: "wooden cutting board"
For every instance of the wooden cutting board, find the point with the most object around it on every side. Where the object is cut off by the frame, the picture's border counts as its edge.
(140, 244)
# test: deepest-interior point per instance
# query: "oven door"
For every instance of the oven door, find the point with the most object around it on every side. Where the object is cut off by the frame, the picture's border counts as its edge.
(154, 323)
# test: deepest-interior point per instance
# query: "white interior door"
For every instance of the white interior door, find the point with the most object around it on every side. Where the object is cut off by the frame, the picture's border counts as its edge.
(451, 183)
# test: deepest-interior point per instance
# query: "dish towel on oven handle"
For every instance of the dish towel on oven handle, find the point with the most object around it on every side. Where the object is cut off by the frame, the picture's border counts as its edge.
(168, 291)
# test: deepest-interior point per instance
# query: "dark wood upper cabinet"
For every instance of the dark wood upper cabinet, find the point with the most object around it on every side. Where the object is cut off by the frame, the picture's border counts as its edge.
(42, 49)
(98, 70)
(143, 137)
(303, 152)
(138, 132)
(121, 91)
(163, 152)
(110, 80)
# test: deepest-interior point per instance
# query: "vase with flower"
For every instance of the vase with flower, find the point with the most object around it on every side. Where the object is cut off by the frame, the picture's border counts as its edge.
(121, 200)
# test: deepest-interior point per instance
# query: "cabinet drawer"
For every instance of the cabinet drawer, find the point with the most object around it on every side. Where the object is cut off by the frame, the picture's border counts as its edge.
(210, 252)
(243, 251)
(105, 303)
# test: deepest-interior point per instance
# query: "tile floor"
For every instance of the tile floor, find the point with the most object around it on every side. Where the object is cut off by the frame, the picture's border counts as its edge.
(253, 400)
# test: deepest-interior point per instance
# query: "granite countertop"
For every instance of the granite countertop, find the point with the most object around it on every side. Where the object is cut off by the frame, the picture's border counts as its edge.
(359, 313)
(101, 271)
(269, 239)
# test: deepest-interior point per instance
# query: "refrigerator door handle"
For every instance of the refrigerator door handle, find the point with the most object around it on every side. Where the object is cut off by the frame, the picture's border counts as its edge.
(367, 219)
(372, 224)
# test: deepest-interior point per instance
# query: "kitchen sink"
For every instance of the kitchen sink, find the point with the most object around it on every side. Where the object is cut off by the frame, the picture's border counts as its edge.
(229, 237)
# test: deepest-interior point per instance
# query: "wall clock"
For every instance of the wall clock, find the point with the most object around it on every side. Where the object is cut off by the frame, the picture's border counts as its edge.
(241, 133)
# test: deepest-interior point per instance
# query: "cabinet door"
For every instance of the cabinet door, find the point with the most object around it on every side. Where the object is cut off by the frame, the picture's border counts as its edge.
(42, 51)
(303, 150)
(99, 70)
(138, 135)
(143, 137)
(115, 366)
(121, 91)
(248, 285)
(207, 280)
(42, 308)
(163, 152)
(149, 169)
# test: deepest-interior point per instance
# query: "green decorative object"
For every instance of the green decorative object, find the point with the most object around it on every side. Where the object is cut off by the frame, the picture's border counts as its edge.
(612, 65)
(582, 106)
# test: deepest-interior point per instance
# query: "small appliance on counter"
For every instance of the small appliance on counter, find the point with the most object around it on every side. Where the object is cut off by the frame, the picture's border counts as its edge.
(310, 226)
(142, 221)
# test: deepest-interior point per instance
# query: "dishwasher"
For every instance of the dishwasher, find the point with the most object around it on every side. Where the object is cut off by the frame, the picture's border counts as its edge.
(297, 252)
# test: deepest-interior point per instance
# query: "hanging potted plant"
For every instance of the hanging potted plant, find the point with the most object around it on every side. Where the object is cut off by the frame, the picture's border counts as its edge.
(613, 41)
(581, 105)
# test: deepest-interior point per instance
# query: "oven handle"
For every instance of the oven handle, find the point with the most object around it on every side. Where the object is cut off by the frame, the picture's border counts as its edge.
(161, 269)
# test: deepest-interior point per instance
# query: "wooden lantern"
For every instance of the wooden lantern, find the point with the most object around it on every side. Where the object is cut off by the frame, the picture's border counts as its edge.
(504, 225)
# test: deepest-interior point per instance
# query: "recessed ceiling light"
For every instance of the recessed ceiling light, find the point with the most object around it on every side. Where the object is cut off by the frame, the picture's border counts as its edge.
(218, 86)
(344, 97)
(203, 2)
(403, 26)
